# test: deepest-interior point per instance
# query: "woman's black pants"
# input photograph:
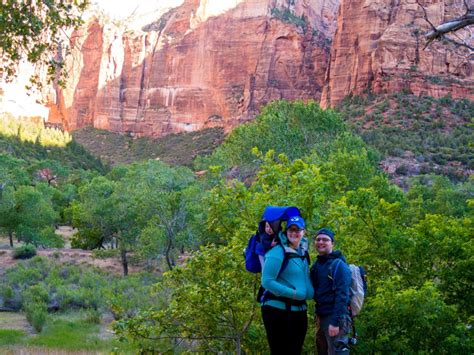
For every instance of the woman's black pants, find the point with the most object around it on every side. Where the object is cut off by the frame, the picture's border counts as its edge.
(286, 330)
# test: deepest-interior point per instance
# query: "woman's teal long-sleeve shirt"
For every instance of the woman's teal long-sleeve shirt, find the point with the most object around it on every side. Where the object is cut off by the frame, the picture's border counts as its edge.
(293, 282)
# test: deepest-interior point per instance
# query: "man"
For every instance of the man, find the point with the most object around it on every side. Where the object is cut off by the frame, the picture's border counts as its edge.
(331, 278)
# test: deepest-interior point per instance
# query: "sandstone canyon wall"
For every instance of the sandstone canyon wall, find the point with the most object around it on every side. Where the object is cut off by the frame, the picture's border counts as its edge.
(379, 46)
(202, 64)
(213, 63)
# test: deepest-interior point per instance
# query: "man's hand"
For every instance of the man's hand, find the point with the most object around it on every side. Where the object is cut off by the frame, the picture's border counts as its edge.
(333, 331)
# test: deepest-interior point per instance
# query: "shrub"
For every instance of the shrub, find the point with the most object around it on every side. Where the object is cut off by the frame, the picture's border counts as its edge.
(6, 293)
(93, 316)
(402, 170)
(26, 251)
(404, 322)
(36, 294)
(36, 313)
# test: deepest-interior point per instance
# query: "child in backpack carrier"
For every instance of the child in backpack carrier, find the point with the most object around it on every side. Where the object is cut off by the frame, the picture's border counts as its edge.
(261, 242)
(268, 235)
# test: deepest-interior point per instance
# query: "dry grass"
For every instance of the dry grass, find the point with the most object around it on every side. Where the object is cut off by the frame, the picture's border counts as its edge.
(65, 255)
(15, 321)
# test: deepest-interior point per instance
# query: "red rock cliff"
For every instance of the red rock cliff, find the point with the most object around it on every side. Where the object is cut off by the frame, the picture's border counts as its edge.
(378, 46)
(214, 63)
(203, 64)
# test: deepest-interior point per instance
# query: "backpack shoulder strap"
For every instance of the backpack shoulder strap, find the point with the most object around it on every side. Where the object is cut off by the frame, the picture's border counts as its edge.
(288, 256)
(307, 257)
(333, 270)
(286, 260)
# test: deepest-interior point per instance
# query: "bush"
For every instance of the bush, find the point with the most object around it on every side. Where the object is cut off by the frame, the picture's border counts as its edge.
(36, 313)
(402, 170)
(36, 294)
(411, 321)
(93, 316)
(24, 252)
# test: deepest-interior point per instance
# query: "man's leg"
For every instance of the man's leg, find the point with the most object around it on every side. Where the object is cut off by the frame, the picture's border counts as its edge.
(335, 345)
(341, 341)
(321, 342)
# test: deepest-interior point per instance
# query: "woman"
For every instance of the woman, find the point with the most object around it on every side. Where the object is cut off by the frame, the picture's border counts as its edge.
(285, 277)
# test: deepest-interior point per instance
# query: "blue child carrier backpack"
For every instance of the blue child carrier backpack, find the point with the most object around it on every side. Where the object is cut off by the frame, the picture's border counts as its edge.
(257, 246)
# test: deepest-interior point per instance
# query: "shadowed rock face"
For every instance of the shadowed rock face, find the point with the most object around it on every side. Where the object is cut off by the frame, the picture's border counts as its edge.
(202, 64)
(211, 63)
(378, 46)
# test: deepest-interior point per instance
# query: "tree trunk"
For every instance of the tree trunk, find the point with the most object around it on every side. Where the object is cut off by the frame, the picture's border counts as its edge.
(169, 260)
(123, 254)
(10, 236)
(238, 346)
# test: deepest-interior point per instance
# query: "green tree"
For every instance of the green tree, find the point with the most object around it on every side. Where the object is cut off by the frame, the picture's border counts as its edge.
(169, 212)
(28, 214)
(35, 217)
(33, 31)
(389, 319)
(292, 128)
(149, 208)
(208, 307)
(418, 263)
(8, 218)
(93, 214)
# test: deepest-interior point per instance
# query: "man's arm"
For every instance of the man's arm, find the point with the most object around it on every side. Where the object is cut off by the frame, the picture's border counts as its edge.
(342, 289)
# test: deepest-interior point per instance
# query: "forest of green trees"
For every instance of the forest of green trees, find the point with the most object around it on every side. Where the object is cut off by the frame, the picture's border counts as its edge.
(187, 232)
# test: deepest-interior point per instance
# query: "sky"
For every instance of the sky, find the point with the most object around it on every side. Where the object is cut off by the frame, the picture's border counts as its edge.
(123, 8)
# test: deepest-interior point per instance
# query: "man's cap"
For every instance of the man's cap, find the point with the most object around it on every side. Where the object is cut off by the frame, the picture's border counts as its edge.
(296, 221)
(326, 231)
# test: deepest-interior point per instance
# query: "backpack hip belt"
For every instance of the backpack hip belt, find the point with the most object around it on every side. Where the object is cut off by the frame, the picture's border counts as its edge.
(288, 301)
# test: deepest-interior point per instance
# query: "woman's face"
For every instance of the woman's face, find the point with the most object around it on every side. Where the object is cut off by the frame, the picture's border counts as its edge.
(294, 235)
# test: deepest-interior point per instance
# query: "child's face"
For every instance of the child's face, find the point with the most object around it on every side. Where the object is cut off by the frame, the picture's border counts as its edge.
(268, 229)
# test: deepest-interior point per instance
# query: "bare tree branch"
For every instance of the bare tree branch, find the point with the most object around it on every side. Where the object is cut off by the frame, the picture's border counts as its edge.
(451, 26)
(426, 15)
(439, 32)
(457, 43)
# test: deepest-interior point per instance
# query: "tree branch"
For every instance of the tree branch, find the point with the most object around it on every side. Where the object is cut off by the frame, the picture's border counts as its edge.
(462, 44)
(439, 32)
(451, 26)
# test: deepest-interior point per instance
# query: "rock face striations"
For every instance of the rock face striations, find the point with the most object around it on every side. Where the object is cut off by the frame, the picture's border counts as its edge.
(202, 64)
(210, 63)
(379, 46)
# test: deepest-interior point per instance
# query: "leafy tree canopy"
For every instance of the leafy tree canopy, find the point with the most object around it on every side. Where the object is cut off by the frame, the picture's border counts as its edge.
(33, 31)
(292, 128)
(416, 246)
